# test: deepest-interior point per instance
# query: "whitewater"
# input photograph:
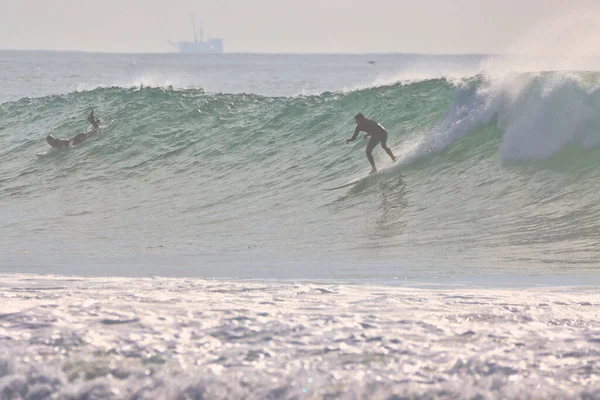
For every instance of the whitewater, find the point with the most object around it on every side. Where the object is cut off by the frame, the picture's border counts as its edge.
(191, 249)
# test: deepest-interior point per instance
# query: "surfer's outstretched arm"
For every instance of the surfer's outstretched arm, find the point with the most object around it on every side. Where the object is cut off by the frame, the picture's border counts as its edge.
(356, 131)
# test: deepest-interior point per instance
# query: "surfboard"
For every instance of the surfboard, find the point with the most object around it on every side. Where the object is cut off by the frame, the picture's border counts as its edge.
(354, 182)
(48, 152)
(345, 185)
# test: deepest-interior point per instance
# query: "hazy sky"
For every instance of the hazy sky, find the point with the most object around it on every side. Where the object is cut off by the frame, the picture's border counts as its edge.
(288, 26)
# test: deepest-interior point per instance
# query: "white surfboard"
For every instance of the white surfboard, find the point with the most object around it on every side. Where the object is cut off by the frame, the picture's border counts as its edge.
(365, 178)
(352, 183)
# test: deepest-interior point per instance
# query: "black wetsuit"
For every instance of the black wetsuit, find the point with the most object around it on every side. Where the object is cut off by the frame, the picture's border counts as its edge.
(61, 143)
(79, 138)
(378, 135)
(64, 143)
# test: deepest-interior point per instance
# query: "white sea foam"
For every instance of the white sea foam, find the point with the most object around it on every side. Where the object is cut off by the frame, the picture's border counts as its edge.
(539, 114)
(118, 338)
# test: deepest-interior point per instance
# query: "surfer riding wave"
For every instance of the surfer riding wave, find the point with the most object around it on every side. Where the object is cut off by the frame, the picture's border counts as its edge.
(378, 135)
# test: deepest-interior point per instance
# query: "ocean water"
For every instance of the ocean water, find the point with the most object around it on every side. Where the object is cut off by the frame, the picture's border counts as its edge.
(192, 249)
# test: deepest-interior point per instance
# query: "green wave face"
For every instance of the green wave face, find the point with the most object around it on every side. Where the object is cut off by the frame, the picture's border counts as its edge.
(491, 174)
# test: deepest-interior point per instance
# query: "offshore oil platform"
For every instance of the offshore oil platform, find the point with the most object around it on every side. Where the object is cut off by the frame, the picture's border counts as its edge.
(210, 46)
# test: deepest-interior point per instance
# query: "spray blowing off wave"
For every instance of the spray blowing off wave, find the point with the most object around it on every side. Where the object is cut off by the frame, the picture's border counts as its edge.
(538, 114)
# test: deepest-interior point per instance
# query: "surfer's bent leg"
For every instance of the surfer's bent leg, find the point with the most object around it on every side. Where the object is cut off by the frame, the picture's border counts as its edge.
(372, 143)
(387, 149)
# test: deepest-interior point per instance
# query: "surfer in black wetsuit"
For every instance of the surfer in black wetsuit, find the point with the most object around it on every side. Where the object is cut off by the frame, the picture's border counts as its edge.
(79, 138)
(378, 135)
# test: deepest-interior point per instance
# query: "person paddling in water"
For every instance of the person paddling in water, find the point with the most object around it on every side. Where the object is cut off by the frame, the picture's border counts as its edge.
(378, 135)
(79, 138)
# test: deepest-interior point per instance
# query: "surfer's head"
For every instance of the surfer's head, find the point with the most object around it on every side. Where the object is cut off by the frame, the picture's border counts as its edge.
(51, 140)
(359, 117)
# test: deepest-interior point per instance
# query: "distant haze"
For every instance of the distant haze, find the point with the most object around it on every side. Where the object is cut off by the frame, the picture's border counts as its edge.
(281, 26)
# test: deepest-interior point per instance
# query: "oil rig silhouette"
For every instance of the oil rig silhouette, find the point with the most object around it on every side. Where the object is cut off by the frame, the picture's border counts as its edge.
(209, 46)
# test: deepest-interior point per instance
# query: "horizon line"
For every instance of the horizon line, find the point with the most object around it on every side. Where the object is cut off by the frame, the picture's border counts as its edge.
(473, 54)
